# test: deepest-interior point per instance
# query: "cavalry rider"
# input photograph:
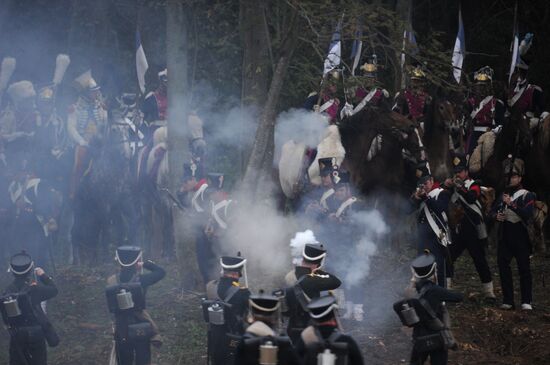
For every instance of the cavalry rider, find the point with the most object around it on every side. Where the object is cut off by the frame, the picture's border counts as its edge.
(470, 232)
(261, 344)
(18, 126)
(326, 102)
(86, 124)
(369, 92)
(306, 283)
(486, 111)
(234, 295)
(134, 329)
(414, 101)
(323, 340)
(433, 232)
(431, 334)
(514, 210)
(527, 98)
(22, 313)
(155, 107)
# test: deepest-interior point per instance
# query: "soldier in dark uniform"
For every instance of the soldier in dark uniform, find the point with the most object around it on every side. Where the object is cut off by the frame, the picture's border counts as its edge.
(414, 101)
(324, 339)
(369, 93)
(527, 98)
(486, 112)
(28, 325)
(470, 232)
(433, 232)
(318, 202)
(432, 314)
(514, 210)
(309, 283)
(223, 337)
(135, 330)
(155, 107)
(261, 343)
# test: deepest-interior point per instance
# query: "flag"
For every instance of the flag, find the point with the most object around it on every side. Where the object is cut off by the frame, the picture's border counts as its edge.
(334, 55)
(356, 49)
(141, 63)
(515, 45)
(410, 46)
(459, 50)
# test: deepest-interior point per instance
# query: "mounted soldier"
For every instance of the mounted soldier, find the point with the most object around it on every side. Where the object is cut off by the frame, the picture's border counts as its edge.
(432, 203)
(261, 343)
(414, 101)
(134, 329)
(326, 102)
(470, 231)
(225, 309)
(426, 312)
(368, 92)
(20, 306)
(323, 342)
(304, 284)
(155, 107)
(86, 125)
(486, 112)
(18, 126)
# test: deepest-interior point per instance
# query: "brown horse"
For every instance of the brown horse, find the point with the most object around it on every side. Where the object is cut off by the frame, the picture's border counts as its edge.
(358, 134)
(437, 137)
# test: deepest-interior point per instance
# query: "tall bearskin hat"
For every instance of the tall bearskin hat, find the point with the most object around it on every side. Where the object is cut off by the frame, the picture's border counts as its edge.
(21, 264)
(322, 308)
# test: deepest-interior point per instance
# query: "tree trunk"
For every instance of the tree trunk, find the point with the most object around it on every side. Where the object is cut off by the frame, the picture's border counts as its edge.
(258, 177)
(178, 104)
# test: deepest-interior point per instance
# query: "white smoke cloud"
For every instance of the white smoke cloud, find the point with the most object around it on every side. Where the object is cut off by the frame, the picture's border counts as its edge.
(297, 244)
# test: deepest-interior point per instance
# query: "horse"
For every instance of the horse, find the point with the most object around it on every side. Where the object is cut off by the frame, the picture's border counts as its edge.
(438, 124)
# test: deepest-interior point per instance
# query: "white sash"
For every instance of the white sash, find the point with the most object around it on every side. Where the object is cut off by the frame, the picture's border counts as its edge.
(215, 207)
(517, 95)
(512, 216)
(364, 102)
(442, 234)
(481, 106)
(345, 205)
(326, 105)
(327, 194)
(198, 193)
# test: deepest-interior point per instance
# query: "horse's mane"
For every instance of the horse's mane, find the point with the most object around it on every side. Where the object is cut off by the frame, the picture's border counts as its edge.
(357, 121)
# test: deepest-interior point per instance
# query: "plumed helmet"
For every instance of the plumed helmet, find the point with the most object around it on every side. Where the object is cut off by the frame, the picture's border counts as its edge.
(314, 253)
(424, 265)
(21, 264)
(263, 304)
(370, 68)
(46, 93)
(484, 75)
(322, 308)
(128, 255)
(21, 90)
(417, 73)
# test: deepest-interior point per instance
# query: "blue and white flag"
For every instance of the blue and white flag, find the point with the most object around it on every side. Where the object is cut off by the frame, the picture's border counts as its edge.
(410, 47)
(334, 56)
(141, 63)
(356, 50)
(459, 50)
(515, 45)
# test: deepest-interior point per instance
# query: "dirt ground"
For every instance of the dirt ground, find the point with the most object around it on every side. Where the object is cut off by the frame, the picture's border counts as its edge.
(486, 335)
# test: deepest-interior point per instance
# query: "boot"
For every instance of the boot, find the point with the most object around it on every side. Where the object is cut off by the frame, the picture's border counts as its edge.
(348, 313)
(449, 282)
(358, 312)
(488, 291)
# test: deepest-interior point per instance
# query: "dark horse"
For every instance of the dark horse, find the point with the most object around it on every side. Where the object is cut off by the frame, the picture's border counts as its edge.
(387, 169)
(437, 137)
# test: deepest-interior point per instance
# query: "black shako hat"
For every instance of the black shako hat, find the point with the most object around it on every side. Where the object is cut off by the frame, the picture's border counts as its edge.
(424, 265)
(263, 304)
(423, 173)
(327, 165)
(314, 253)
(232, 263)
(128, 255)
(21, 264)
(340, 177)
(460, 162)
(322, 308)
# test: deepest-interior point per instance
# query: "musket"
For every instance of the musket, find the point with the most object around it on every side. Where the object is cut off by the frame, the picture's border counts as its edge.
(173, 198)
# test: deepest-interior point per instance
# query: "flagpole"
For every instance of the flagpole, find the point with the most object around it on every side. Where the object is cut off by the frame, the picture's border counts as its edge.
(515, 44)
